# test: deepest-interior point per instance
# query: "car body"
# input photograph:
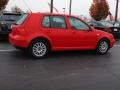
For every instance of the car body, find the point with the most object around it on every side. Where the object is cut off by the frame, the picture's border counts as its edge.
(115, 30)
(6, 20)
(101, 25)
(44, 32)
(108, 27)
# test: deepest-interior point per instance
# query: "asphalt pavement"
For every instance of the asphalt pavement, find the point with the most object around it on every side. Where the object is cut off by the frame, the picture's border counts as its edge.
(73, 70)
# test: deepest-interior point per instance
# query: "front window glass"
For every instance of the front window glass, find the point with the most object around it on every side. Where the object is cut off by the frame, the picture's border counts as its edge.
(77, 24)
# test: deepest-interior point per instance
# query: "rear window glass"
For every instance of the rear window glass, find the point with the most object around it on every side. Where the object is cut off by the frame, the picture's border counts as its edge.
(9, 17)
(22, 19)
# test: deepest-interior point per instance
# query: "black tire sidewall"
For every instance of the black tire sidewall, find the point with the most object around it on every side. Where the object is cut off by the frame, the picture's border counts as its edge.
(98, 45)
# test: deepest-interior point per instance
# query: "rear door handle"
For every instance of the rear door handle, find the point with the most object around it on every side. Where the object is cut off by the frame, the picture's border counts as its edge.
(48, 31)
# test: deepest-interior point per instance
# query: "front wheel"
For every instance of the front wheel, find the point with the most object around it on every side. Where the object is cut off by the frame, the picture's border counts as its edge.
(39, 48)
(102, 47)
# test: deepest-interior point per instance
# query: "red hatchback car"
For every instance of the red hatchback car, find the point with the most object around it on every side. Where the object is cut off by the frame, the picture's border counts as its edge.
(43, 32)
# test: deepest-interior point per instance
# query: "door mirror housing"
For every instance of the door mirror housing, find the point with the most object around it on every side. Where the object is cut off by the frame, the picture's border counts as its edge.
(91, 28)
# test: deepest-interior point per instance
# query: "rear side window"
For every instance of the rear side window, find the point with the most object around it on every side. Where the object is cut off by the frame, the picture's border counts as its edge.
(54, 22)
(22, 19)
(46, 21)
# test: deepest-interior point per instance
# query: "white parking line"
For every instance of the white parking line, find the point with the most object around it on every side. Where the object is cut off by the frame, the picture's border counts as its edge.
(9, 50)
(116, 45)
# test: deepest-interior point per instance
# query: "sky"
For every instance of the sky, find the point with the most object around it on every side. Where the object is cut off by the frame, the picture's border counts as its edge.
(79, 7)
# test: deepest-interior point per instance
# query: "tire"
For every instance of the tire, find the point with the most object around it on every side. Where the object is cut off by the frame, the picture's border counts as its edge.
(102, 47)
(39, 49)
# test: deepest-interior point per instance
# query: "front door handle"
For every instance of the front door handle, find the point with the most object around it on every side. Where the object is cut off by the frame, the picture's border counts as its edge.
(74, 32)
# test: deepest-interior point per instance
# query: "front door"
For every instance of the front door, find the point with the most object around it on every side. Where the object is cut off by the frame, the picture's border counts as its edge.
(85, 38)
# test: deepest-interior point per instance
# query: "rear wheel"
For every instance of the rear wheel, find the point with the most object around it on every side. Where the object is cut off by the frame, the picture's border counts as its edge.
(103, 47)
(39, 48)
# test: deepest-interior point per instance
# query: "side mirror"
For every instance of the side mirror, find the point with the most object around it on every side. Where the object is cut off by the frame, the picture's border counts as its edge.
(91, 29)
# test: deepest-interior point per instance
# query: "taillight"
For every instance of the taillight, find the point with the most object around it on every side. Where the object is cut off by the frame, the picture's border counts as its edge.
(12, 26)
(3, 23)
(108, 29)
(17, 30)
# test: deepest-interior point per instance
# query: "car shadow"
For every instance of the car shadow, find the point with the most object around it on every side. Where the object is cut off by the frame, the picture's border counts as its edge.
(61, 55)
(4, 40)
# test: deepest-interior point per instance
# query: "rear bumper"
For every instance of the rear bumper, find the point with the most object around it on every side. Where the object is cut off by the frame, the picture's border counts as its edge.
(18, 41)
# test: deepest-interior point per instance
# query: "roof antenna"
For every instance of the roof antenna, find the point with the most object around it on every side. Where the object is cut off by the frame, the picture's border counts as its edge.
(27, 6)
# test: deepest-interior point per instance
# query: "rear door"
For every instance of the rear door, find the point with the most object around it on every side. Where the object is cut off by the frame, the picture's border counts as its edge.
(56, 28)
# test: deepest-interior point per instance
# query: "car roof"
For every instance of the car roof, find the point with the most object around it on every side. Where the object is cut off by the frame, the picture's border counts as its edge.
(54, 14)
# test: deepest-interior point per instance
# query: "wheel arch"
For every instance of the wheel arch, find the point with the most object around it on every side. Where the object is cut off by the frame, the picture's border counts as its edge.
(103, 38)
(42, 38)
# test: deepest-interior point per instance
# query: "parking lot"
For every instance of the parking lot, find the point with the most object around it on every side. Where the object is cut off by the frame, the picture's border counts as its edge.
(75, 70)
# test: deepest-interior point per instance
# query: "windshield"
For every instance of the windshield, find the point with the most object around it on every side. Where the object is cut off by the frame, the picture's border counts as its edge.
(101, 24)
(97, 24)
(106, 24)
(117, 25)
(22, 19)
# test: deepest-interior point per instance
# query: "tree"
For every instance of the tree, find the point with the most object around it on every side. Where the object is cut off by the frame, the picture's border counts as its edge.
(3, 3)
(99, 10)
